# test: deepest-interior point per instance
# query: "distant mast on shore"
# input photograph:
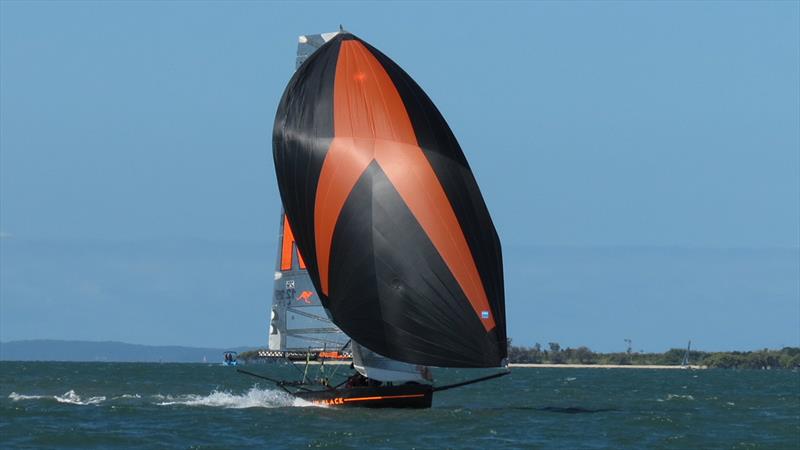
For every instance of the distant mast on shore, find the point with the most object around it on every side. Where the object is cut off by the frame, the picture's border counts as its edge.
(685, 362)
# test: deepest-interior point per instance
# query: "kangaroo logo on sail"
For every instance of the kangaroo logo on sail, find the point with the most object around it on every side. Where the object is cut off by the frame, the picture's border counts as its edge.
(305, 296)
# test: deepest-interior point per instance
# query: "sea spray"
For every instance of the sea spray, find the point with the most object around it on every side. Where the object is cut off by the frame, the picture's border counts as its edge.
(69, 397)
(253, 398)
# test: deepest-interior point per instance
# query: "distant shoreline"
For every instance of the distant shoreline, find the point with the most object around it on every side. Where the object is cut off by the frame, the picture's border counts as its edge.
(602, 366)
(552, 357)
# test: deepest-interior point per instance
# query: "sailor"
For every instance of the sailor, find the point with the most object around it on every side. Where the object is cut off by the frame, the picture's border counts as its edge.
(357, 380)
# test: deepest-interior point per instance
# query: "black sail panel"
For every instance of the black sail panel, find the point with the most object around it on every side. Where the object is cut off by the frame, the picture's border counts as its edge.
(396, 236)
(302, 134)
(445, 155)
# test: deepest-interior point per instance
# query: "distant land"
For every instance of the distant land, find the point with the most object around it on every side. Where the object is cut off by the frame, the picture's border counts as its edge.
(107, 351)
(551, 356)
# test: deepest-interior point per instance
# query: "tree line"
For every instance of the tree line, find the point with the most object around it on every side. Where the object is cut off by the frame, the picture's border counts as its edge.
(785, 358)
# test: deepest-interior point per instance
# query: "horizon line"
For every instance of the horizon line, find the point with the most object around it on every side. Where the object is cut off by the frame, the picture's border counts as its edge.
(760, 348)
(7, 237)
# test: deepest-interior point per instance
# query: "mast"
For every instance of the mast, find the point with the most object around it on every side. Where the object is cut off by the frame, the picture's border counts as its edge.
(685, 361)
(298, 321)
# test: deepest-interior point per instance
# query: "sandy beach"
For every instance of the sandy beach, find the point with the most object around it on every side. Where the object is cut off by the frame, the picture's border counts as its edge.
(554, 366)
(601, 366)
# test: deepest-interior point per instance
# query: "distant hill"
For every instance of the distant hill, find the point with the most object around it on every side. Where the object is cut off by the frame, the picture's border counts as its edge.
(53, 350)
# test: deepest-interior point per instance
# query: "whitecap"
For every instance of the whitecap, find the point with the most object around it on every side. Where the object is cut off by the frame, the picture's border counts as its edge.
(127, 396)
(72, 398)
(253, 398)
(69, 397)
(17, 397)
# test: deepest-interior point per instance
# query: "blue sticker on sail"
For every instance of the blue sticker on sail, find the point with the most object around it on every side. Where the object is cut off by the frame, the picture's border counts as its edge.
(484, 314)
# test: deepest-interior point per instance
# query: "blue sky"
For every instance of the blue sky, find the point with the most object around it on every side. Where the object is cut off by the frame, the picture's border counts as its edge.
(611, 124)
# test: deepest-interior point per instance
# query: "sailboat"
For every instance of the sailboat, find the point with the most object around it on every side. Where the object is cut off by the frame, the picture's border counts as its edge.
(393, 230)
(685, 362)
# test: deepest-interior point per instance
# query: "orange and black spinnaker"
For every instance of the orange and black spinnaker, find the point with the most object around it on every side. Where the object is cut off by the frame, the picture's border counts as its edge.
(387, 213)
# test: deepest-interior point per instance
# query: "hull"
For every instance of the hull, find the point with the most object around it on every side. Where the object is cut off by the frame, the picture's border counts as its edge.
(403, 396)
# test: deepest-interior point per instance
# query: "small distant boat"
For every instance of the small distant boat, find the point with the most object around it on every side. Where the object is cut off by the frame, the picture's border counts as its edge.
(685, 363)
(229, 359)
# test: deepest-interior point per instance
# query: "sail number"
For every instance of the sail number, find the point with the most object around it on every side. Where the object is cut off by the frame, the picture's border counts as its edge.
(288, 293)
(285, 294)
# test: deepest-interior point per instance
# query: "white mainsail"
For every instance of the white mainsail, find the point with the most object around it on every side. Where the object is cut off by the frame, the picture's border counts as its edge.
(378, 367)
(298, 321)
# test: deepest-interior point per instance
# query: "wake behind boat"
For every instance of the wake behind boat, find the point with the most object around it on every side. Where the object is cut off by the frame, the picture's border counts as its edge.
(361, 391)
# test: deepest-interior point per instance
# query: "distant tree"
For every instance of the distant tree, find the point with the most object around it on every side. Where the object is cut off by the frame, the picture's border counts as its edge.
(556, 356)
(787, 358)
(787, 361)
(247, 356)
(722, 360)
(583, 355)
(674, 356)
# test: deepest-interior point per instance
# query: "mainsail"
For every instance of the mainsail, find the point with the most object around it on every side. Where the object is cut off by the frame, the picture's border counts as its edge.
(395, 235)
(298, 321)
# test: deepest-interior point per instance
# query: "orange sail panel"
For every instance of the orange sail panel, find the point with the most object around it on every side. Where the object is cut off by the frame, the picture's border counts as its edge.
(371, 124)
(288, 247)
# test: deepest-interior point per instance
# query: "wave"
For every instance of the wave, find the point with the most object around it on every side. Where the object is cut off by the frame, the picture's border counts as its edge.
(574, 410)
(676, 397)
(17, 397)
(69, 397)
(128, 396)
(254, 398)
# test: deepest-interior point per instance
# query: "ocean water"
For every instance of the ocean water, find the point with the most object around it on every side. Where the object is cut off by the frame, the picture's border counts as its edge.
(131, 405)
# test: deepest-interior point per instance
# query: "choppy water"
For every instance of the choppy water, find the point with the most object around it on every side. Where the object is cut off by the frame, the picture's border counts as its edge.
(208, 406)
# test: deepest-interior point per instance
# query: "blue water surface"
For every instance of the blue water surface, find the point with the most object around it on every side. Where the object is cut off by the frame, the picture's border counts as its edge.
(132, 405)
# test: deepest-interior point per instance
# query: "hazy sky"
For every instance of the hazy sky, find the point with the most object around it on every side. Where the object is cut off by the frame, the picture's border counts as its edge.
(617, 123)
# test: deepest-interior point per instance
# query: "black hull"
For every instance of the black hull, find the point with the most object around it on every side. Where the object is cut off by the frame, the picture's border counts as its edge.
(403, 396)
